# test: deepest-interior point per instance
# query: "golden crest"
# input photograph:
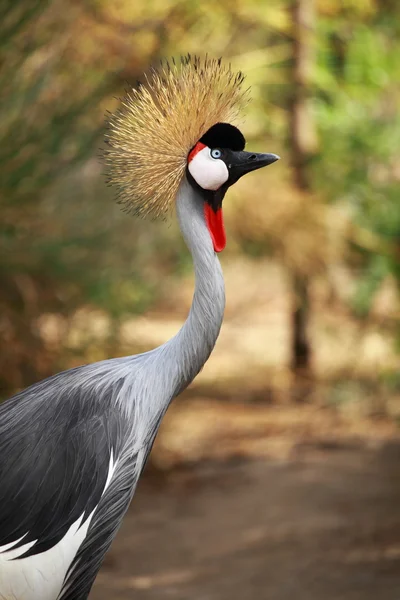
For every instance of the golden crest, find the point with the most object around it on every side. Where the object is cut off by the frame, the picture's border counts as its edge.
(157, 124)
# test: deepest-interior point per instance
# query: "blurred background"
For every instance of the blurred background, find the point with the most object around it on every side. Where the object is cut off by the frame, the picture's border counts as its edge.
(276, 473)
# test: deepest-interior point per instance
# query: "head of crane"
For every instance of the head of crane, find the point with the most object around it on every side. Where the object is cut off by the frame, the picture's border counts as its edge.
(181, 123)
(215, 163)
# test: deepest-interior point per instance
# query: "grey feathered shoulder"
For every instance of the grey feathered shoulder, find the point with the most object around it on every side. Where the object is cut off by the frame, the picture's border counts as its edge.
(56, 442)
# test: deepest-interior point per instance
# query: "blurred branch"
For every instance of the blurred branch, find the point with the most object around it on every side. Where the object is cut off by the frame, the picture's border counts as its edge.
(15, 16)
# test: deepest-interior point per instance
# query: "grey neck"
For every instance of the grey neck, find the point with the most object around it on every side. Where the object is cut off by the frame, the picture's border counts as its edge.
(186, 353)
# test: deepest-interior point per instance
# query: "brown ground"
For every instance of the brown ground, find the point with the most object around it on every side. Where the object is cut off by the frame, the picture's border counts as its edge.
(255, 495)
(323, 525)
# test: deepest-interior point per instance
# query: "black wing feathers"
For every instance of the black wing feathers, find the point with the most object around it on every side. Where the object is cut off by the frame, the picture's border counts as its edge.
(55, 443)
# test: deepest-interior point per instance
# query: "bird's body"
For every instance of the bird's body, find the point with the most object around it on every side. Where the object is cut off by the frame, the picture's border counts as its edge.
(73, 446)
(85, 434)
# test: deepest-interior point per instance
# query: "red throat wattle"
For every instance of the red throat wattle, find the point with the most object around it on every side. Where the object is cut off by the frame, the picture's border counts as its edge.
(215, 224)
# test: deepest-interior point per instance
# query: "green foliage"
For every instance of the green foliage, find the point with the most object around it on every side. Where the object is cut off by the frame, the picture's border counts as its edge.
(356, 106)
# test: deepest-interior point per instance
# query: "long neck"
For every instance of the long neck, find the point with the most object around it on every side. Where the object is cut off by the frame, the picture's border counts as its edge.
(186, 353)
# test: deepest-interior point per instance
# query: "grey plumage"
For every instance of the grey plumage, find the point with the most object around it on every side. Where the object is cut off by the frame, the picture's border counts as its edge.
(57, 438)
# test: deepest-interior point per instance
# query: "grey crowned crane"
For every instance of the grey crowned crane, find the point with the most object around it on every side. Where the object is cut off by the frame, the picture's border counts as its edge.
(72, 447)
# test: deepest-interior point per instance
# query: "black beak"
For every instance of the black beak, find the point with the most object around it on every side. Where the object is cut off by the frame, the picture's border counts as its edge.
(240, 163)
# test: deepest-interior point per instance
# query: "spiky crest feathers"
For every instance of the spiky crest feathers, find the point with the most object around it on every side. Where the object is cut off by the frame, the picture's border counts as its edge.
(151, 133)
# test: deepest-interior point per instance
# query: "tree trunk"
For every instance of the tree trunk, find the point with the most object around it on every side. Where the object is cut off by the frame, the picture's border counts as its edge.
(304, 146)
(303, 131)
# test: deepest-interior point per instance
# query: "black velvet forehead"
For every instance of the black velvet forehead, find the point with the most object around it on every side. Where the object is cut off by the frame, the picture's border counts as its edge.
(224, 135)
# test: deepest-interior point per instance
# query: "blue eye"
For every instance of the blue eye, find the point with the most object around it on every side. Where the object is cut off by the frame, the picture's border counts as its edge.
(216, 153)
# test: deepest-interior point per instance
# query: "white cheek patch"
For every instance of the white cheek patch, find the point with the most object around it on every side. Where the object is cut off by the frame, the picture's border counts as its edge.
(209, 173)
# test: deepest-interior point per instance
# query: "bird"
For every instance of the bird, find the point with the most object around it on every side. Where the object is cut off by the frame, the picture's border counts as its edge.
(73, 446)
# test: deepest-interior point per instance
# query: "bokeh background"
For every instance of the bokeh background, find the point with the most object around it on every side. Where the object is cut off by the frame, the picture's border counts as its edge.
(277, 473)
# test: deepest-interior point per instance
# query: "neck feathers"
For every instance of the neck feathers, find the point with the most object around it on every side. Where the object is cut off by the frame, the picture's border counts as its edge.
(187, 352)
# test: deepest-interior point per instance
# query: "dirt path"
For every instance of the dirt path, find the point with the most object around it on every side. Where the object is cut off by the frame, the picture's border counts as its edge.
(322, 526)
